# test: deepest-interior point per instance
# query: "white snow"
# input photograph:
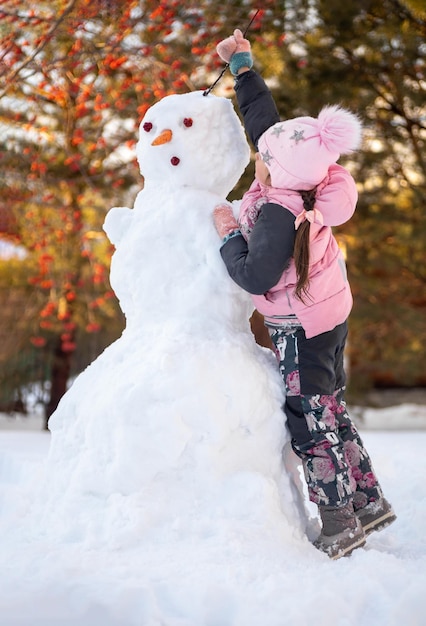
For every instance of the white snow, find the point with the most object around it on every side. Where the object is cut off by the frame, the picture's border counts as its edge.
(224, 573)
(160, 498)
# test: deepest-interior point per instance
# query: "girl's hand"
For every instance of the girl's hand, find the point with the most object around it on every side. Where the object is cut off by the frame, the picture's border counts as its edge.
(226, 48)
(224, 220)
(231, 45)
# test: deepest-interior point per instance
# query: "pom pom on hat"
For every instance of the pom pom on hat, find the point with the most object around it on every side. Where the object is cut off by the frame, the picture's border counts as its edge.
(339, 129)
(299, 151)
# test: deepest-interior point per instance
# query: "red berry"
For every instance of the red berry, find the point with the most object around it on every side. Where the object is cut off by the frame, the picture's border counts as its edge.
(147, 126)
(175, 161)
(187, 122)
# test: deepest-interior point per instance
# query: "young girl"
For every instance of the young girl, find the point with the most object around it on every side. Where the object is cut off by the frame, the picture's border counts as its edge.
(283, 252)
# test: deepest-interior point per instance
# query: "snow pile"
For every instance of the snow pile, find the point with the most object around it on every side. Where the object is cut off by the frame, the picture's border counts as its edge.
(219, 577)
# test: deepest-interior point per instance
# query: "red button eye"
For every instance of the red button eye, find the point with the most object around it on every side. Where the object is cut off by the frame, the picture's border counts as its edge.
(175, 160)
(187, 122)
(147, 127)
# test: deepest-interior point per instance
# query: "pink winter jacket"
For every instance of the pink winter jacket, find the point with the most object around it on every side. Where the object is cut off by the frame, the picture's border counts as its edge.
(329, 299)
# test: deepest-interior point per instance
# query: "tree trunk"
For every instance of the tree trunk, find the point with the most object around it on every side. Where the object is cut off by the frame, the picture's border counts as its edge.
(60, 373)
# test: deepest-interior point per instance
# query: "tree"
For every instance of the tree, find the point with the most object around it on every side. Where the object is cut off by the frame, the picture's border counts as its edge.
(77, 79)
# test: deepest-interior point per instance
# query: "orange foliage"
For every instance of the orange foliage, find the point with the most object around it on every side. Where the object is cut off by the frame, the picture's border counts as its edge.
(96, 67)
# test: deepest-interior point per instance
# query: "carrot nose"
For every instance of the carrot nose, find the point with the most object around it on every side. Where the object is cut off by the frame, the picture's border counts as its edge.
(163, 137)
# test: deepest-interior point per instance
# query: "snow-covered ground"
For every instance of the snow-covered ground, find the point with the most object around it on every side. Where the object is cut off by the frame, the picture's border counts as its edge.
(219, 578)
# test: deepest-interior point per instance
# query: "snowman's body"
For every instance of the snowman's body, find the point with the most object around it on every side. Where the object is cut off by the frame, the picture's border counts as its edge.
(184, 404)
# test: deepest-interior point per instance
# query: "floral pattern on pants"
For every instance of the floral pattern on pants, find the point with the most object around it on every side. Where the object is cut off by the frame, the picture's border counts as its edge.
(336, 465)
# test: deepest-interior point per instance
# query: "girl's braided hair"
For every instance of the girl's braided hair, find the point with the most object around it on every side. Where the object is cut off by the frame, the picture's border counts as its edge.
(301, 248)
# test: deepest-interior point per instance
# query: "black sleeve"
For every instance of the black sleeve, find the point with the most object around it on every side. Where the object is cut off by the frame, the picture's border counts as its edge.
(256, 104)
(257, 265)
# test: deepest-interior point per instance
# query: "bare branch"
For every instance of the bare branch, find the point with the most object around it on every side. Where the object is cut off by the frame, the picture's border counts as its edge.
(39, 48)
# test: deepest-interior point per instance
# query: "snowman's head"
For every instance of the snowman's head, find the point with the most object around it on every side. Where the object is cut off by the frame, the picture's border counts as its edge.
(191, 140)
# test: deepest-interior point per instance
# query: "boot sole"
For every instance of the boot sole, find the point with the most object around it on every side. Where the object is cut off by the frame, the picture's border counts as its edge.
(348, 551)
(380, 523)
(327, 548)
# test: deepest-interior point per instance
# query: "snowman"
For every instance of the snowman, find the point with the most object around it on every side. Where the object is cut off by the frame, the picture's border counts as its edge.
(181, 417)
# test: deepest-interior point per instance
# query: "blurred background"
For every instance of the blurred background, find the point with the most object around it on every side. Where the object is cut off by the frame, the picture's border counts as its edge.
(75, 81)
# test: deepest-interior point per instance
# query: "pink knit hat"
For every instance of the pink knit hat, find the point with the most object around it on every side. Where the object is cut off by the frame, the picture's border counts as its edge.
(298, 152)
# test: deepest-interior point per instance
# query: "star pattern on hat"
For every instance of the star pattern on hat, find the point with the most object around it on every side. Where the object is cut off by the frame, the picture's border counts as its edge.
(277, 130)
(266, 157)
(298, 136)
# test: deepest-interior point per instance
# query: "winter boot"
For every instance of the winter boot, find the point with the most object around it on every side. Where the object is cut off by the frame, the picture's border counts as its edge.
(376, 515)
(341, 531)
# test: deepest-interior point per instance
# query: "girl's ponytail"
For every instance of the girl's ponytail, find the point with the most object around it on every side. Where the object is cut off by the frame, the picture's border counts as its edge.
(301, 248)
